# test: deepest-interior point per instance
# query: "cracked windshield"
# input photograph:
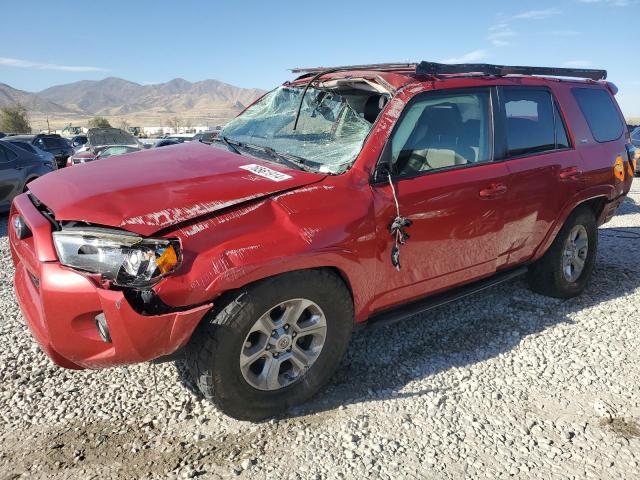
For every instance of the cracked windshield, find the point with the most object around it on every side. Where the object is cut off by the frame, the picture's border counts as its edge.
(330, 130)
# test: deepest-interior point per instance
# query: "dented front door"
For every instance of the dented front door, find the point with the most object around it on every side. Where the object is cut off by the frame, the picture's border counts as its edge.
(453, 239)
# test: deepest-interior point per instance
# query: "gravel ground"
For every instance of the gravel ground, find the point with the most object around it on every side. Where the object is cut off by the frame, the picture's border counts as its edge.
(503, 384)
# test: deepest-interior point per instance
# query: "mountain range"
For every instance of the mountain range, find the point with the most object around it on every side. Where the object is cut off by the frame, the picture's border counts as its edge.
(119, 98)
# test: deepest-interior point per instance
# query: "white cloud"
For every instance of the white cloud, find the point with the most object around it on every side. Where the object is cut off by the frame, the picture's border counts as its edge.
(578, 63)
(499, 35)
(473, 56)
(564, 33)
(614, 3)
(14, 62)
(537, 14)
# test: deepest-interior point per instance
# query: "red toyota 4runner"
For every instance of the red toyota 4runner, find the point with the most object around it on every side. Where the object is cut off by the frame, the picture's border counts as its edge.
(349, 195)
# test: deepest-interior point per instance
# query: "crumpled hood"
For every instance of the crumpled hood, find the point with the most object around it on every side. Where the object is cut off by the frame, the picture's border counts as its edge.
(147, 191)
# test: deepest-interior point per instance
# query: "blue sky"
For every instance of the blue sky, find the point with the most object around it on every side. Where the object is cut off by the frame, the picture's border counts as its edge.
(253, 43)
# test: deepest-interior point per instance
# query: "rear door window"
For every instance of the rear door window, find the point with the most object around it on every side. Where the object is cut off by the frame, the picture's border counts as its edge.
(600, 112)
(25, 146)
(6, 155)
(54, 143)
(529, 121)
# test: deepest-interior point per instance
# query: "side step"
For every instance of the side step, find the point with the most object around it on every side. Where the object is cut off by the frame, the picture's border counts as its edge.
(408, 310)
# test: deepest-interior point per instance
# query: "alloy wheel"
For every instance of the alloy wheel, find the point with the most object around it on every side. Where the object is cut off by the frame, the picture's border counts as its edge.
(283, 344)
(574, 253)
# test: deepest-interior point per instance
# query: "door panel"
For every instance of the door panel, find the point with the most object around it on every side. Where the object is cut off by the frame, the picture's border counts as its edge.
(537, 193)
(454, 235)
(447, 185)
(544, 172)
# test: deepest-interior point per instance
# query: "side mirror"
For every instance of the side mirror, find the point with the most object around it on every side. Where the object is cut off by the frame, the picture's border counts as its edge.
(385, 163)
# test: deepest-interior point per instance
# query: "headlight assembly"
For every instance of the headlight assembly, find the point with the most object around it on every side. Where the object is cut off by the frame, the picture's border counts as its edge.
(126, 259)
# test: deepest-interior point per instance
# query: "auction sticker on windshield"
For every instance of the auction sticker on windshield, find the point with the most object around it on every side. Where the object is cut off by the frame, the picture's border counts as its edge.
(266, 172)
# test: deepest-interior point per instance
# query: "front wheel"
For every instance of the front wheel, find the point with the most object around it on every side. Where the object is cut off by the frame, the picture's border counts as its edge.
(272, 345)
(563, 271)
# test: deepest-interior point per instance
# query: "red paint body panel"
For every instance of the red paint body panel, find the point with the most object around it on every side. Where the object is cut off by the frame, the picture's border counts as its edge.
(237, 227)
(87, 156)
(152, 189)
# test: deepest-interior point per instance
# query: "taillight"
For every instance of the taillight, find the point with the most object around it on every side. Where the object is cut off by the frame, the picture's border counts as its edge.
(618, 168)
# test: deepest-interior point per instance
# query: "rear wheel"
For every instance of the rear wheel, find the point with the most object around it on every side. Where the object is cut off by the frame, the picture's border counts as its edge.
(565, 268)
(272, 345)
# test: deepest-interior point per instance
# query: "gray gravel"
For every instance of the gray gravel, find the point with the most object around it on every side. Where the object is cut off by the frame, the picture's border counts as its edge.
(504, 384)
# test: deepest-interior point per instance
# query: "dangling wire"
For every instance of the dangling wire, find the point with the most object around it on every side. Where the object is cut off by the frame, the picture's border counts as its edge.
(393, 191)
(397, 229)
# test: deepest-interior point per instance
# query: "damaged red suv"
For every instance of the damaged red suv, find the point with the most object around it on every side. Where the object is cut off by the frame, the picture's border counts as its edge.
(348, 196)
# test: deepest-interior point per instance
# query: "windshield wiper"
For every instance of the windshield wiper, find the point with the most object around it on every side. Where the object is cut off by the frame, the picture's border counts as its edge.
(290, 160)
(228, 144)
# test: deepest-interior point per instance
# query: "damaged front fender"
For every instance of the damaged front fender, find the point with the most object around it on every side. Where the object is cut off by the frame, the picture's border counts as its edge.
(286, 232)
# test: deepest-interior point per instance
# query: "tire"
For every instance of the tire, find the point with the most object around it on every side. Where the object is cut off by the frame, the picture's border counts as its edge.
(548, 275)
(213, 354)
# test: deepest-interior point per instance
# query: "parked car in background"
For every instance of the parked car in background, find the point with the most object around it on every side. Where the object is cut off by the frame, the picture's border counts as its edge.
(2, 135)
(117, 150)
(180, 137)
(18, 167)
(348, 195)
(635, 137)
(49, 142)
(205, 137)
(71, 130)
(99, 139)
(165, 142)
(79, 141)
(46, 156)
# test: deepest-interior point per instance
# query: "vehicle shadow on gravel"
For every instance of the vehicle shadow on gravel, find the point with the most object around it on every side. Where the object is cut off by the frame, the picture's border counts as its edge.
(383, 362)
(628, 207)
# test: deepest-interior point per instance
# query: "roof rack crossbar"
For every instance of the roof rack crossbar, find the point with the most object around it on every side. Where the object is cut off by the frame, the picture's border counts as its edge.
(372, 66)
(433, 68)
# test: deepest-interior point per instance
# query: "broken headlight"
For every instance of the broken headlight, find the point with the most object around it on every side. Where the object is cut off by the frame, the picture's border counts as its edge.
(126, 259)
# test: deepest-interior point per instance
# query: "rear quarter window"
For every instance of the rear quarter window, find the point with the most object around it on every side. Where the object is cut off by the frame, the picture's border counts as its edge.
(600, 112)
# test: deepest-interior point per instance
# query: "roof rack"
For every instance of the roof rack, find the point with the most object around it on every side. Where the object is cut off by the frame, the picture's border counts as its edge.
(433, 68)
(372, 66)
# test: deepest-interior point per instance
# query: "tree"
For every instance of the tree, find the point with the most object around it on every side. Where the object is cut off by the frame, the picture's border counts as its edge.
(124, 125)
(99, 122)
(174, 123)
(14, 119)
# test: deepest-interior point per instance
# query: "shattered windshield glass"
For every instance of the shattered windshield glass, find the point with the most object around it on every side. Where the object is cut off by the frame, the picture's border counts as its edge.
(329, 135)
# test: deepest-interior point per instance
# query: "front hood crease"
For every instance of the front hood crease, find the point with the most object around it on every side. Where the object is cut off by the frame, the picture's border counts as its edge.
(153, 189)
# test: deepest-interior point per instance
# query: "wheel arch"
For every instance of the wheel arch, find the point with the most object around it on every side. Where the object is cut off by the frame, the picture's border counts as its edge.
(595, 203)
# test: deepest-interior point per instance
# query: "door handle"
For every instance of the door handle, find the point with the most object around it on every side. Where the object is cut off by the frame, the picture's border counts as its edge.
(570, 173)
(493, 191)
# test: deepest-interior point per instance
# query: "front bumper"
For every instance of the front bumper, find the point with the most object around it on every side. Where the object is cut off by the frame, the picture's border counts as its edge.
(60, 306)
